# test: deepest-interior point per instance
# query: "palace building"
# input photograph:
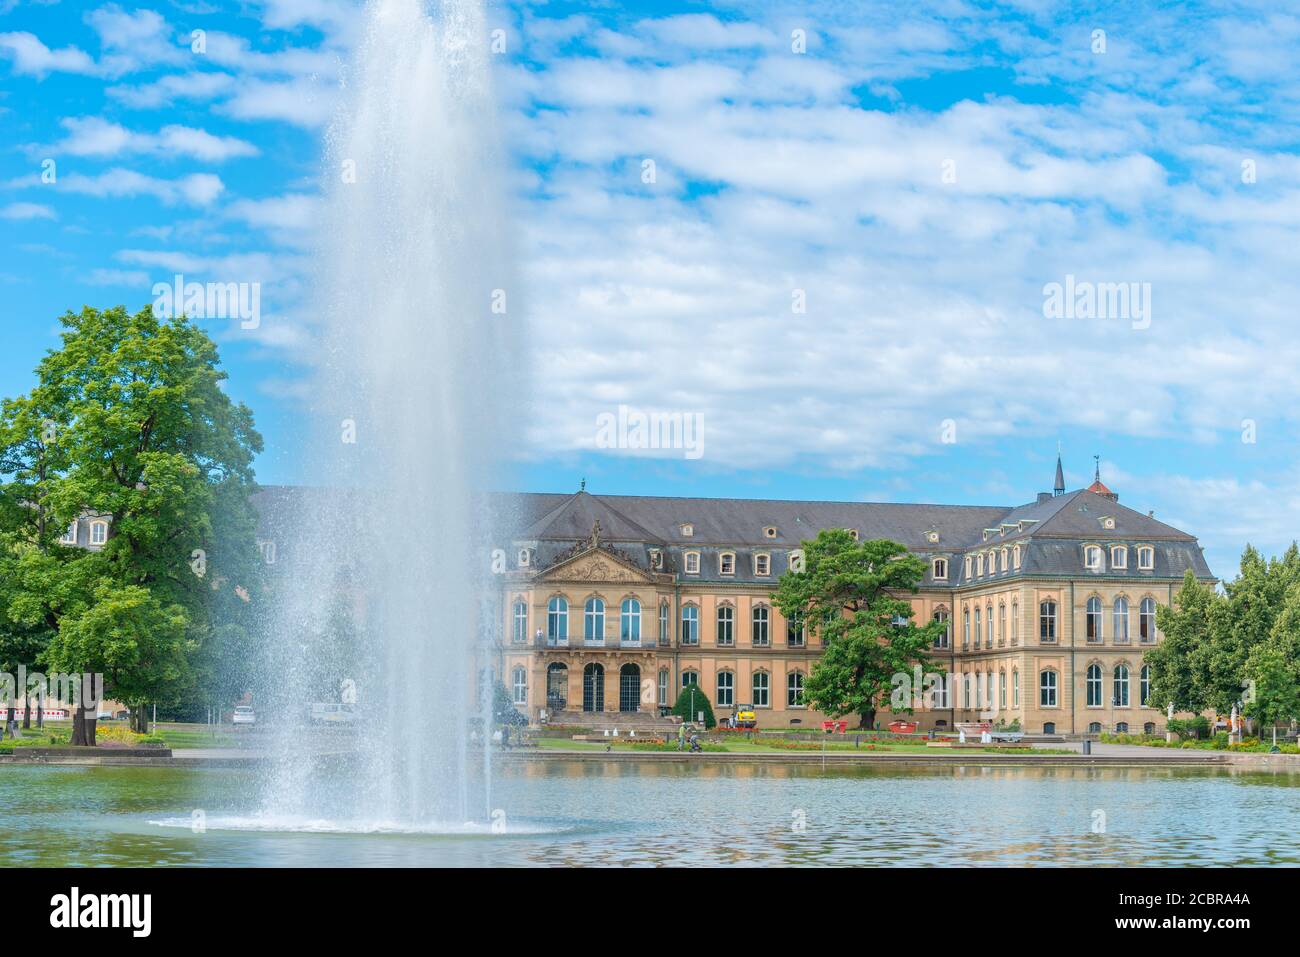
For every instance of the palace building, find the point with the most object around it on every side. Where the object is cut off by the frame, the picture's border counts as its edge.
(613, 604)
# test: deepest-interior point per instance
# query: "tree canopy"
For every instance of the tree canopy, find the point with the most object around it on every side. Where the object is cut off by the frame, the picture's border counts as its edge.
(127, 423)
(852, 593)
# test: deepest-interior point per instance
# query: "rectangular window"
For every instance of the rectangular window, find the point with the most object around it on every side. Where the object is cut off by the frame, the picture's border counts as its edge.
(727, 564)
(760, 689)
(725, 689)
(762, 565)
(692, 563)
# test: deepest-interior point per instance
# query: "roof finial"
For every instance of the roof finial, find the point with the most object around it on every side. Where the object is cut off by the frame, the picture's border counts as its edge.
(1059, 487)
(582, 486)
(1096, 474)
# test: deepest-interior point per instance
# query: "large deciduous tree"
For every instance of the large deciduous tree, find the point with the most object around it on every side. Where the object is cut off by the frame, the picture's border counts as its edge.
(127, 423)
(852, 593)
(1188, 626)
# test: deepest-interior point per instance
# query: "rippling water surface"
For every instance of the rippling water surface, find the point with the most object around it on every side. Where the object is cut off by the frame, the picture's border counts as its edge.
(619, 813)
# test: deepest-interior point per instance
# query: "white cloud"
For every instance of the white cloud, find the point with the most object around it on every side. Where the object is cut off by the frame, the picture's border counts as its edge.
(172, 88)
(27, 211)
(31, 57)
(196, 189)
(301, 102)
(96, 137)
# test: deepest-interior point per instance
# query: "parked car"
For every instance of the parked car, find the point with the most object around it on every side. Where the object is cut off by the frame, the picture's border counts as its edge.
(243, 715)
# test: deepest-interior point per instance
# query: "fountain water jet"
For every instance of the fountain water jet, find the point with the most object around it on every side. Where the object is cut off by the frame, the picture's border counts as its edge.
(386, 589)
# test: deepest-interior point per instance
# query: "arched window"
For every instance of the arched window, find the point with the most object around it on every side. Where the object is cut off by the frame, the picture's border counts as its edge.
(520, 615)
(1146, 558)
(965, 628)
(1002, 690)
(692, 563)
(939, 569)
(727, 563)
(1047, 621)
(1122, 727)
(979, 564)
(794, 689)
(664, 637)
(760, 689)
(1121, 686)
(557, 620)
(1149, 728)
(988, 690)
(630, 620)
(796, 560)
(1015, 689)
(1093, 618)
(1144, 685)
(726, 689)
(1002, 623)
(1015, 621)
(1092, 559)
(945, 637)
(1147, 619)
(1015, 556)
(978, 629)
(1094, 686)
(70, 536)
(1094, 727)
(663, 687)
(690, 625)
(690, 678)
(1118, 557)
(1121, 620)
(593, 628)
(988, 626)
(524, 557)
(519, 686)
(98, 533)
(968, 561)
(965, 691)
(758, 634)
(1047, 689)
(1049, 727)
(726, 626)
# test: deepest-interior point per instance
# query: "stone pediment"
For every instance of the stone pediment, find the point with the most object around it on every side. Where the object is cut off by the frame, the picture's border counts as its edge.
(595, 564)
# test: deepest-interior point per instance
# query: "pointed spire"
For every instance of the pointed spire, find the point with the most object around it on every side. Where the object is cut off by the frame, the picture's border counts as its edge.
(1059, 487)
(1096, 472)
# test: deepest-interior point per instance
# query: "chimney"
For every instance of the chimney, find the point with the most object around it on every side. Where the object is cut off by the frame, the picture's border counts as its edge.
(1044, 497)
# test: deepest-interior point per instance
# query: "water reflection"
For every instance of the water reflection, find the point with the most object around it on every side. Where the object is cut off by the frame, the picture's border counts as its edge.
(643, 814)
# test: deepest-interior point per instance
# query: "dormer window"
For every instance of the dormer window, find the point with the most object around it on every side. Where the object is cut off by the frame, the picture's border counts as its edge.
(1118, 557)
(656, 558)
(939, 569)
(762, 565)
(968, 560)
(524, 558)
(70, 536)
(932, 537)
(979, 564)
(687, 531)
(1015, 556)
(1006, 563)
(853, 534)
(1108, 523)
(692, 563)
(769, 532)
(796, 560)
(98, 533)
(727, 563)
(1146, 558)
(1092, 558)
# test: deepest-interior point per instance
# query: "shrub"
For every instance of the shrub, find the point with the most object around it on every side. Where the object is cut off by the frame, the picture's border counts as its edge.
(687, 708)
(1197, 727)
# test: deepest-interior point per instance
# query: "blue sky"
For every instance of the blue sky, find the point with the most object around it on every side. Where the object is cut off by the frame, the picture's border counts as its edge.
(918, 173)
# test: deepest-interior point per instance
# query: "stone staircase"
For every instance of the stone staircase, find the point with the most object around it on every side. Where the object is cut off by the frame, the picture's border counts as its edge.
(642, 722)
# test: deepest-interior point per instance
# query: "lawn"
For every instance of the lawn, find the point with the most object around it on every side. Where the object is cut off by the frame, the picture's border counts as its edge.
(743, 746)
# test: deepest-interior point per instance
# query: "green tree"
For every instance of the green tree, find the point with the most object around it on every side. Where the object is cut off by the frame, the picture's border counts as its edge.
(1272, 669)
(691, 702)
(1188, 625)
(1252, 604)
(128, 422)
(853, 592)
